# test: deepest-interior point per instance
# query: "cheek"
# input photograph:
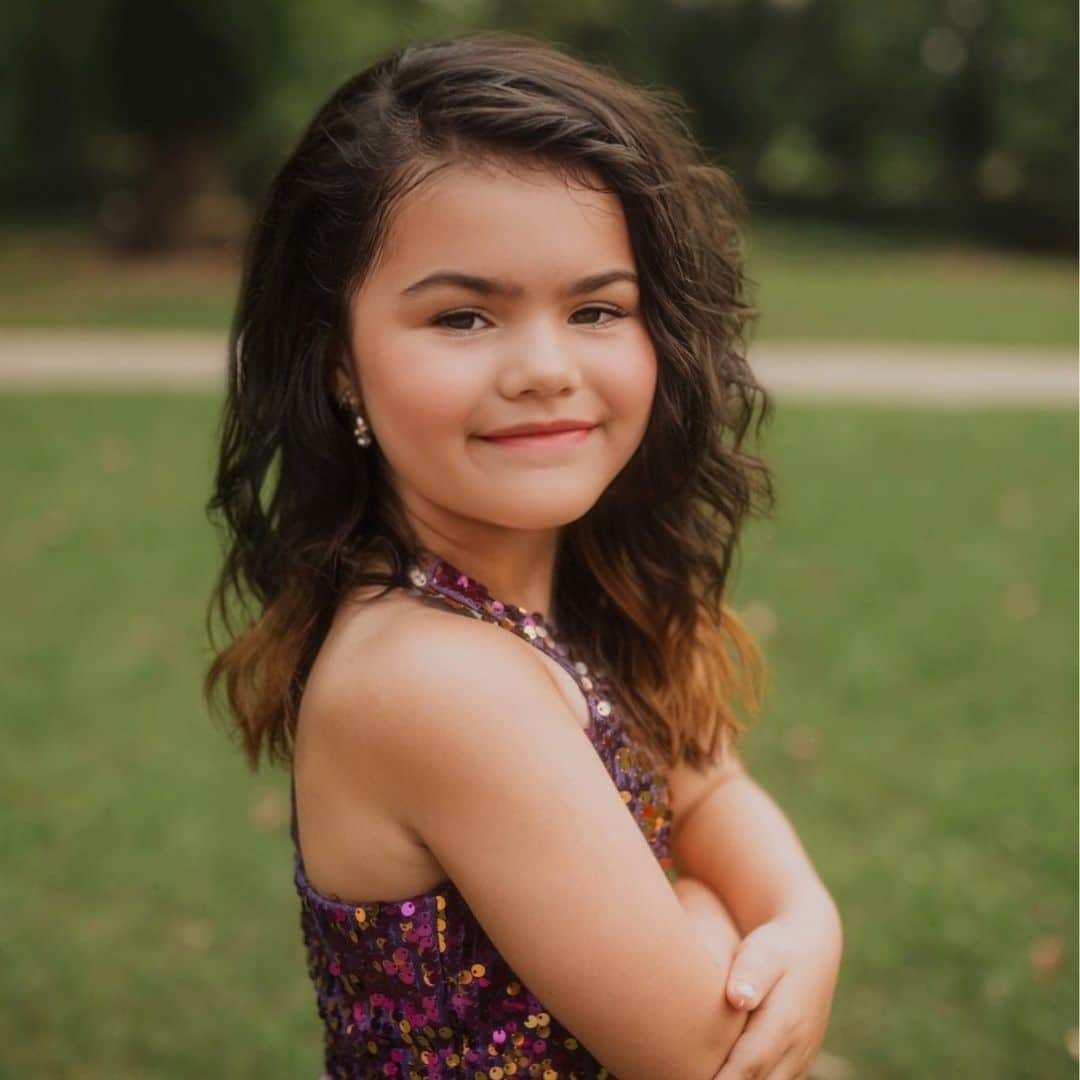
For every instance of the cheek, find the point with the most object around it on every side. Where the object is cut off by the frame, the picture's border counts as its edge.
(629, 387)
(417, 404)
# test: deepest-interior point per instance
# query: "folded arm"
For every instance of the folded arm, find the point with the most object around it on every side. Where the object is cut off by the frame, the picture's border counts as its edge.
(733, 843)
(730, 834)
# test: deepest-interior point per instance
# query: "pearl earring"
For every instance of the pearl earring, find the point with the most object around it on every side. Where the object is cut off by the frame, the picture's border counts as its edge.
(361, 431)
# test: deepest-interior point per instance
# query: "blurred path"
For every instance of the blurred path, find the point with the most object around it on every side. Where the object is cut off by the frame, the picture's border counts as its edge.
(890, 374)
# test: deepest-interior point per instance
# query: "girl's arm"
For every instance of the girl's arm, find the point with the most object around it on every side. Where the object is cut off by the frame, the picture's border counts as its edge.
(744, 864)
(730, 835)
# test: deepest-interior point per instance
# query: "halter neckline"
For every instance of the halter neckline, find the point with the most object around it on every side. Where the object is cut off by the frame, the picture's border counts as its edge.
(433, 575)
(431, 572)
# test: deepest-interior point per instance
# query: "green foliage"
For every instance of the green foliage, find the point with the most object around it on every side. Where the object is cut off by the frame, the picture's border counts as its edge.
(962, 114)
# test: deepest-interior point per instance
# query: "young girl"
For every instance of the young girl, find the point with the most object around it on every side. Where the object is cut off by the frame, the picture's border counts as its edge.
(482, 476)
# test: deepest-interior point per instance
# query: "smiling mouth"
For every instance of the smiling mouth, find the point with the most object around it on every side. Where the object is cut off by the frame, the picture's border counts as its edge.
(553, 439)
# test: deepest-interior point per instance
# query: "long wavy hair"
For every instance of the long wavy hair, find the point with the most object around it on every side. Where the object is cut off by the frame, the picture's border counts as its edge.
(640, 578)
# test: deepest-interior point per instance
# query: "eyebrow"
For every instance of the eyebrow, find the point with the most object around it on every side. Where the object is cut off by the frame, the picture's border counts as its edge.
(495, 287)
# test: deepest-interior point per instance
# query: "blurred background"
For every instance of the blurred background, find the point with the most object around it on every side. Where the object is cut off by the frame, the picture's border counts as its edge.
(911, 172)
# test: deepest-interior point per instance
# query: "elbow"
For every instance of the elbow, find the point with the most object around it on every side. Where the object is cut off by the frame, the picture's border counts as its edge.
(700, 1056)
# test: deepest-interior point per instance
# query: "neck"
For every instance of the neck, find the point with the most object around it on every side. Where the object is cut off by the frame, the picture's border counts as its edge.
(517, 567)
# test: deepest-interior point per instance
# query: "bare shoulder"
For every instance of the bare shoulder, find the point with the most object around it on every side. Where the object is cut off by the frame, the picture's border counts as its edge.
(394, 657)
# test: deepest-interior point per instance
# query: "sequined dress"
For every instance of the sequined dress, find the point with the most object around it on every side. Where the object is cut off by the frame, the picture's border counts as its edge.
(414, 987)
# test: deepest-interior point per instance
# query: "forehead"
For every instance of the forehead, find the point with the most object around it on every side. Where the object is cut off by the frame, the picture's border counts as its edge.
(521, 222)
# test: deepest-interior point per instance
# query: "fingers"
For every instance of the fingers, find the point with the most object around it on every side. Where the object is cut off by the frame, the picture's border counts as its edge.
(751, 1066)
(764, 1052)
(794, 1065)
(758, 966)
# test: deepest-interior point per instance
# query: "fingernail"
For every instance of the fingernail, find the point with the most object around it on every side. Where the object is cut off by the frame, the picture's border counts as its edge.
(745, 993)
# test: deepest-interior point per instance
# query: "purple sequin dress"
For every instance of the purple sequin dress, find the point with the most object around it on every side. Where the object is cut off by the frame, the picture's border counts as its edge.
(413, 987)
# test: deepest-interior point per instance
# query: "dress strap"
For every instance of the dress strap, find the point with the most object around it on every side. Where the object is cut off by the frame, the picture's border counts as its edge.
(434, 578)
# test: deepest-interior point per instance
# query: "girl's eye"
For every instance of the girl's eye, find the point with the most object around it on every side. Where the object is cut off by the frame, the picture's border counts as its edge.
(447, 319)
(615, 312)
(443, 320)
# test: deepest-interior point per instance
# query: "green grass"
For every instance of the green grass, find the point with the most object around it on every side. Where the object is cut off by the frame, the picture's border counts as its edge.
(831, 284)
(916, 592)
(921, 575)
(813, 283)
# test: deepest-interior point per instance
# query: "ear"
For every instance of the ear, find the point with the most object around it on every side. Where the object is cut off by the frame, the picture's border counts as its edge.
(342, 384)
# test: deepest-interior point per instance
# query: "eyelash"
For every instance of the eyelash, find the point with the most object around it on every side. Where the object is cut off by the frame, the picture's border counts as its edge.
(463, 312)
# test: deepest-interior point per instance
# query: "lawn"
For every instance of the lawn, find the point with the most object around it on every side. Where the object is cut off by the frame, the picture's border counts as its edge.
(916, 598)
(827, 283)
(813, 283)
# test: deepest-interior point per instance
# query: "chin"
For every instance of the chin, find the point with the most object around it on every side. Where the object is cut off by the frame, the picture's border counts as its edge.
(543, 510)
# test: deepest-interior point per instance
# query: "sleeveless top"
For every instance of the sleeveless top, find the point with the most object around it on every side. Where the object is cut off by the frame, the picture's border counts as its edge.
(414, 987)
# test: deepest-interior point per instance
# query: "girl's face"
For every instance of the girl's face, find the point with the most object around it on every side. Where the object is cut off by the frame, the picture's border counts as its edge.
(480, 316)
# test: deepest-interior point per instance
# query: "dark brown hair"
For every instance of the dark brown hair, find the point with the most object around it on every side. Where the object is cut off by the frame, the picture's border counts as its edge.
(639, 579)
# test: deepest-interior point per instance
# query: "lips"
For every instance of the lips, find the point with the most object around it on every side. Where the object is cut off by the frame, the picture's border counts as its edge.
(546, 441)
(552, 427)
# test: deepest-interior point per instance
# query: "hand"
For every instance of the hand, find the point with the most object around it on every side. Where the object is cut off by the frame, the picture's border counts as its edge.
(791, 965)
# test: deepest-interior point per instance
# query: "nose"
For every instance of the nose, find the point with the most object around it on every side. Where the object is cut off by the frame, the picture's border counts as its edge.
(538, 362)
